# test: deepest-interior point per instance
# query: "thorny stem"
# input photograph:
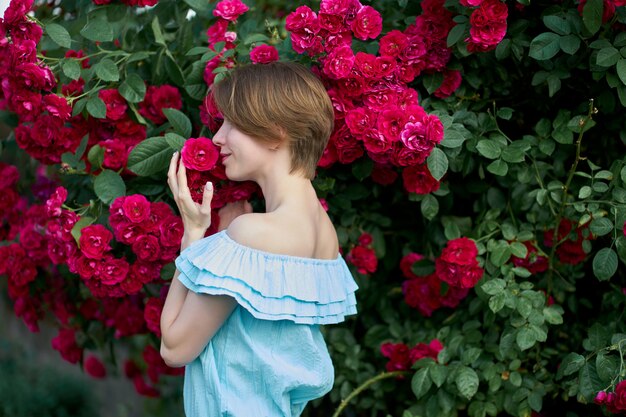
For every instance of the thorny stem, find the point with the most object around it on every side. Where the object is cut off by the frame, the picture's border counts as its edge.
(559, 217)
(364, 386)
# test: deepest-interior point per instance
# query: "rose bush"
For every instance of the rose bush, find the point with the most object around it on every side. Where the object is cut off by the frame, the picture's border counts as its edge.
(476, 176)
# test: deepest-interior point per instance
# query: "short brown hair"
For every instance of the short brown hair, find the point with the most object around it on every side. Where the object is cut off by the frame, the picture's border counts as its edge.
(276, 102)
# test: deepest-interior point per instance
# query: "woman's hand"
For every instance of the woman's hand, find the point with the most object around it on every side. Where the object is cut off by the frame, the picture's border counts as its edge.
(230, 211)
(196, 217)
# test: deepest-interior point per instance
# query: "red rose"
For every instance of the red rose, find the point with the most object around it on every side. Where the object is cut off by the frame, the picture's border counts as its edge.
(364, 259)
(418, 179)
(94, 241)
(391, 122)
(152, 315)
(533, 261)
(9, 175)
(136, 208)
(451, 81)
(423, 350)
(398, 354)
(368, 23)
(359, 120)
(302, 18)
(366, 64)
(115, 103)
(263, 54)
(230, 9)
(200, 154)
(112, 271)
(57, 106)
(422, 294)
(393, 43)
(147, 248)
(94, 367)
(215, 33)
(457, 264)
(65, 343)
(406, 263)
(339, 63)
(158, 98)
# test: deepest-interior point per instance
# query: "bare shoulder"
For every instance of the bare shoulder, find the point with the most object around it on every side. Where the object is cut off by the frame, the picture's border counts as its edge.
(250, 229)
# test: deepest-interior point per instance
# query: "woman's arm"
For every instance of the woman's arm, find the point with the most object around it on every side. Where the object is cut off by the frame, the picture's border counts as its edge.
(189, 320)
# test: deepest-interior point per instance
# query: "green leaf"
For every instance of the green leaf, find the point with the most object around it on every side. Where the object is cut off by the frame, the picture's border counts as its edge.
(496, 303)
(598, 337)
(605, 264)
(589, 382)
(108, 186)
(621, 70)
(98, 30)
(96, 107)
(96, 156)
(500, 255)
(592, 15)
(570, 44)
(512, 154)
(199, 5)
(453, 139)
(59, 35)
(429, 206)
(601, 226)
(570, 364)
(553, 314)
(467, 382)
(607, 57)
(557, 24)
(80, 225)
(525, 338)
(456, 34)
(150, 156)
(494, 286)
(438, 374)
(174, 71)
(133, 89)
(179, 121)
(106, 70)
(421, 383)
(489, 148)
(176, 142)
(607, 366)
(437, 163)
(255, 37)
(584, 192)
(71, 68)
(519, 249)
(197, 50)
(498, 167)
(545, 46)
(158, 33)
(362, 168)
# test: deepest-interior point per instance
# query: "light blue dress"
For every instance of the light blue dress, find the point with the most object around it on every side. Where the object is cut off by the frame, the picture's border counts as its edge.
(269, 357)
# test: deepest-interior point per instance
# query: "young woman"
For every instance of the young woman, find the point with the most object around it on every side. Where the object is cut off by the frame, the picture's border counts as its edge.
(245, 306)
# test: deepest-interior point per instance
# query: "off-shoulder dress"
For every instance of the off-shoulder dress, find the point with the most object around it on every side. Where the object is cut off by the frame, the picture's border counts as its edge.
(269, 358)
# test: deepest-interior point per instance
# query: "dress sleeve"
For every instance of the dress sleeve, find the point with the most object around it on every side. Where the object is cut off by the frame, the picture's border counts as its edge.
(269, 286)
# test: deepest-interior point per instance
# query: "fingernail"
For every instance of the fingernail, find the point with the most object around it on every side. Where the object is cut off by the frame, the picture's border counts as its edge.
(174, 154)
(209, 185)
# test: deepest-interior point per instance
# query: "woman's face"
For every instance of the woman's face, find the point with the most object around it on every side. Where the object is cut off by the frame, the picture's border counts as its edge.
(244, 157)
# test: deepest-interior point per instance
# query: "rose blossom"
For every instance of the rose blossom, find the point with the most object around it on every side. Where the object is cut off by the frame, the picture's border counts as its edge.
(339, 63)
(458, 265)
(57, 106)
(157, 98)
(152, 315)
(94, 367)
(230, 9)
(115, 103)
(363, 258)
(451, 81)
(302, 18)
(94, 241)
(136, 208)
(393, 43)
(65, 343)
(368, 23)
(398, 354)
(263, 54)
(418, 179)
(199, 154)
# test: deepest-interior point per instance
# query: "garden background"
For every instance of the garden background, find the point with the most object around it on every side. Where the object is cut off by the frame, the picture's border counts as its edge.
(476, 175)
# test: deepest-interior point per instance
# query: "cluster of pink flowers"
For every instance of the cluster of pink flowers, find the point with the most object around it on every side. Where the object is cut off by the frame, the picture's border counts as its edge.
(615, 402)
(376, 112)
(137, 3)
(456, 271)
(362, 255)
(487, 24)
(401, 357)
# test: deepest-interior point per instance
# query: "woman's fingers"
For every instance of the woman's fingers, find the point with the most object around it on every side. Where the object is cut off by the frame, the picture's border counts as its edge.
(171, 175)
(183, 189)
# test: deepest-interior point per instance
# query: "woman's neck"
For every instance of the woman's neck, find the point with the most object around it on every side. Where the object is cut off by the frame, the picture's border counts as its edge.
(286, 190)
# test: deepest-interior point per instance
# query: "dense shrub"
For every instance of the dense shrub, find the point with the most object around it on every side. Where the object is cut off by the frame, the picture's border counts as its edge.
(476, 176)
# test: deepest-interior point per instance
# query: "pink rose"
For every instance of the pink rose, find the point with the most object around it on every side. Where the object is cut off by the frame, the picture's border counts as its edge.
(393, 43)
(423, 350)
(422, 294)
(115, 103)
(230, 9)
(216, 32)
(94, 241)
(398, 354)
(391, 122)
(451, 81)
(152, 315)
(65, 343)
(363, 258)
(200, 154)
(57, 106)
(263, 54)
(302, 18)
(147, 248)
(368, 23)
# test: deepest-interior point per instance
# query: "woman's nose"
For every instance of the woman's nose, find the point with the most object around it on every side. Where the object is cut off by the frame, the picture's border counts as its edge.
(218, 138)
